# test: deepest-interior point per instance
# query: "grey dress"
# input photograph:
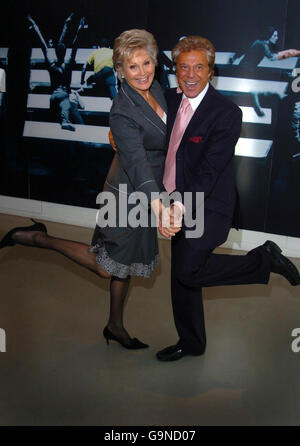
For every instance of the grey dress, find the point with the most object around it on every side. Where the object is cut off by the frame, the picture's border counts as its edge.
(140, 135)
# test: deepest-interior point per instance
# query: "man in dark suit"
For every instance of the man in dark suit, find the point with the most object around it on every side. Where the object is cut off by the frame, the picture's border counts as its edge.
(200, 159)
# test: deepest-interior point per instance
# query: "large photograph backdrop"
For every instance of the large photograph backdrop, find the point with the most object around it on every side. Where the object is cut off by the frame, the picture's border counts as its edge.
(45, 156)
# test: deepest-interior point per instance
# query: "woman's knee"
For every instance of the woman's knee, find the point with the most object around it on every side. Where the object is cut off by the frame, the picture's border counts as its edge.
(104, 274)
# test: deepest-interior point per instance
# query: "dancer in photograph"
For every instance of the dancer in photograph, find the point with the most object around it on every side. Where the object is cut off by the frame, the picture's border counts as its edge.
(102, 61)
(266, 47)
(259, 49)
(60, 72)
(285, 176)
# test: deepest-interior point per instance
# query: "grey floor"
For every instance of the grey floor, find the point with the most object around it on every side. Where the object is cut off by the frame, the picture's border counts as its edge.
(58, 370)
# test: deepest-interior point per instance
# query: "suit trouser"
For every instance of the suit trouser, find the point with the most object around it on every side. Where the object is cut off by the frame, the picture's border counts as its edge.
(194, 266)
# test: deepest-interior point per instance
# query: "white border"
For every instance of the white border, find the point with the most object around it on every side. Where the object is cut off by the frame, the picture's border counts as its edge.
(85, 217)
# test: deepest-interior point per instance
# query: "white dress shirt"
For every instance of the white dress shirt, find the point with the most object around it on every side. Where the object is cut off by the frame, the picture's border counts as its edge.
(195, 102)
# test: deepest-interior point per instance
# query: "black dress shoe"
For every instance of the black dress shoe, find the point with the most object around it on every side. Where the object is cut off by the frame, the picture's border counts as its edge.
(134, 343)
(9, 241)
(281, 264)
(173, 353)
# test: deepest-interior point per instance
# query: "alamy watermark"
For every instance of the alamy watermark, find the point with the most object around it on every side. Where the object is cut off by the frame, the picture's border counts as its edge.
(296, 81)
(295, 346)
(122, 209)
(2, 341)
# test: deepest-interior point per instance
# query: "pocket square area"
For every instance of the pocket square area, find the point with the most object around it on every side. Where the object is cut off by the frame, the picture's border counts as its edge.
(196, 139)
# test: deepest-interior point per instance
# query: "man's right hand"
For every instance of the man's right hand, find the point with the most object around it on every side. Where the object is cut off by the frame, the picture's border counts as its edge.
(169, 222)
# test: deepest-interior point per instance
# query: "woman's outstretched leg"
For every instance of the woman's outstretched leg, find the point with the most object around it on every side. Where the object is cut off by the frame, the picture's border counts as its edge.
(79, 252)
(76, 251)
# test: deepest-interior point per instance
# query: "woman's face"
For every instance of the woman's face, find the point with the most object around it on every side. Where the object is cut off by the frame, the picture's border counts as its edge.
(274, 37)
(138, 70)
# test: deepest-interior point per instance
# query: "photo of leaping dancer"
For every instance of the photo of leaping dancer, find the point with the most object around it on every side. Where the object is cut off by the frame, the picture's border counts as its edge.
(283, 203)
(260, 48)
(60, 71)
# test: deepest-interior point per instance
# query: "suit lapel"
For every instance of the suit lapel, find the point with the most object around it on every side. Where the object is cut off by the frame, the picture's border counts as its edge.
(173, 105)
(143, 108)
(200, 112)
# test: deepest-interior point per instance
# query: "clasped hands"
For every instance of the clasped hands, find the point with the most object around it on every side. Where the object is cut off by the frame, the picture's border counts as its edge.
(169, 220)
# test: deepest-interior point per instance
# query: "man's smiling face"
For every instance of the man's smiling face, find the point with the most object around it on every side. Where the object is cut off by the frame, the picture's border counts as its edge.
(193, 72)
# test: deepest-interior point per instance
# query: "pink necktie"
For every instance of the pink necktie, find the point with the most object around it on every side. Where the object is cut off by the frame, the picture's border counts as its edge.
(183, 117)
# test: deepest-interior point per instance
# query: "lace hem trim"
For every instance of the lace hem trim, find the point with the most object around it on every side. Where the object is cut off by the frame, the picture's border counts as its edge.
(119, 269)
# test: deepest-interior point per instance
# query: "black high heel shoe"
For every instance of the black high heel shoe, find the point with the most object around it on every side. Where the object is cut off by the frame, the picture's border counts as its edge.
(9, 241)
(134, 343)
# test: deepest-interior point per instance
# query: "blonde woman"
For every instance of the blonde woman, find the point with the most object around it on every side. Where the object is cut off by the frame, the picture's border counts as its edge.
(137, 120)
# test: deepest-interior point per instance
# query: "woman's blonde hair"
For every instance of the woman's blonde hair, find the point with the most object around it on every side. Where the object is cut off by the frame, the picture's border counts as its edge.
(128, 42)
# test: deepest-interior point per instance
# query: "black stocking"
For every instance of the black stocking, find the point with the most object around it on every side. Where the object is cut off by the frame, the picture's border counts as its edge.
(79, 252)
(76, 251)
(118, 292)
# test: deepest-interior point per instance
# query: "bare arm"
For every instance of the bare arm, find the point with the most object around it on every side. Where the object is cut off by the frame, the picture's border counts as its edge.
(65, 27)
(75, 40)
(288, 53)
(83, 71)
(80, 26)
(281, 54)
(39, 34)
